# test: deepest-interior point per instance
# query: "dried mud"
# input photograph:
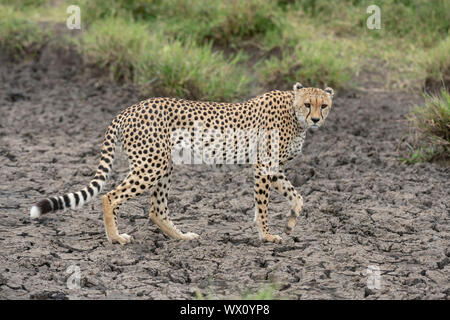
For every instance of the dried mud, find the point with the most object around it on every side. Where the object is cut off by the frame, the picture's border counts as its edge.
(363, 207)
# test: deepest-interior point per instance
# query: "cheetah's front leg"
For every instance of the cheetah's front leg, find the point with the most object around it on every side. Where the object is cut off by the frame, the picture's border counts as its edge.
(284, 187)
(262, 191)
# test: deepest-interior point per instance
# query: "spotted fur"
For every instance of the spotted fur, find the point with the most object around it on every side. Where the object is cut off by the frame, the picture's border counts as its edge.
(149, 131)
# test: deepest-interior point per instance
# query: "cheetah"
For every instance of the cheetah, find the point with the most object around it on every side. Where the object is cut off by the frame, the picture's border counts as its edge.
(148, 133)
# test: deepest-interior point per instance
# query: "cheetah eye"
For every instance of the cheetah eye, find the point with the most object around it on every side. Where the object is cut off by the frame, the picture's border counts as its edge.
(324, 106)
(308, 105)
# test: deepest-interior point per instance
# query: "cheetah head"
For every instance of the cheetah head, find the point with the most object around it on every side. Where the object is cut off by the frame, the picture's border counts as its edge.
(312, 105)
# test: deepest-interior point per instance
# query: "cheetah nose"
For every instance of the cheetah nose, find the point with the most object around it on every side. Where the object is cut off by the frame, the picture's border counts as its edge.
(315, 120)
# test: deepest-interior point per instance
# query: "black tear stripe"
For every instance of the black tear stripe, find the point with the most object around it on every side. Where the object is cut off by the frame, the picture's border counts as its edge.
(84, 194)
(66, 200)
(55, 203)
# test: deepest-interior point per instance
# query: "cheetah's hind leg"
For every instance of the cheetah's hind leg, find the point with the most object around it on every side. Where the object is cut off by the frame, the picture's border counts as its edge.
(159, 210)
(133, 185)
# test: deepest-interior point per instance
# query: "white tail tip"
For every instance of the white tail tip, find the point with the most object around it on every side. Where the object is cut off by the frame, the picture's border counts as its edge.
(35, 212)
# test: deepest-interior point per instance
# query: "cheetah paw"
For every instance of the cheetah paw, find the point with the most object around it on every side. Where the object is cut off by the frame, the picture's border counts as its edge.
(292, 221)
(190, 236)
(273, 238)
(287, 230)
(122, 239)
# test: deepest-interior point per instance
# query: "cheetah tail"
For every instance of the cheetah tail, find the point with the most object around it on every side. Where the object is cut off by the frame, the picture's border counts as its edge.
(77, 199)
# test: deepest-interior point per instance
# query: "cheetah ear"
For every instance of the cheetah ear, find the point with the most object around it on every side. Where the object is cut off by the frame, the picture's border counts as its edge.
(329, 91)
(298, 86)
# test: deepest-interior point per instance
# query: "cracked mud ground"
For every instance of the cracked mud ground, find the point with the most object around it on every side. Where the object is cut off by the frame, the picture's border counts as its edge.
(362, 206)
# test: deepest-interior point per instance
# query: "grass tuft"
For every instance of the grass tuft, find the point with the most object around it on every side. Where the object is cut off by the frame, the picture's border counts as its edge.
(318, 63)
(24, 3)
(437, 63)
(117, 46)
(20, 37)
(431, 125)
(132, 53)
(298, 51)
(266, 292)
(269, 292)
(202, 20)
(420, 21)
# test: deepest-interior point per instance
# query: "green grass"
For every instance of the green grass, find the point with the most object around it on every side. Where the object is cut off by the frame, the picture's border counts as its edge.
(311, 57)
(419, 21)
(117, 46)
(437, 62)
(20, 4)
(132, 52)
(265, 292)
(221, 22)
(224, 50)
(19, 36)
(421, 154)
(319, 43)
(268, 292)
(431, 127)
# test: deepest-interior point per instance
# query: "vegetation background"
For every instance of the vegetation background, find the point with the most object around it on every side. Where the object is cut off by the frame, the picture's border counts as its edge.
(234, 49)
(228, 49)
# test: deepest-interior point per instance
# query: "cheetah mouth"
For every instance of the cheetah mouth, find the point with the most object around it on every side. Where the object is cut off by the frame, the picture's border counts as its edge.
(314, 127)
